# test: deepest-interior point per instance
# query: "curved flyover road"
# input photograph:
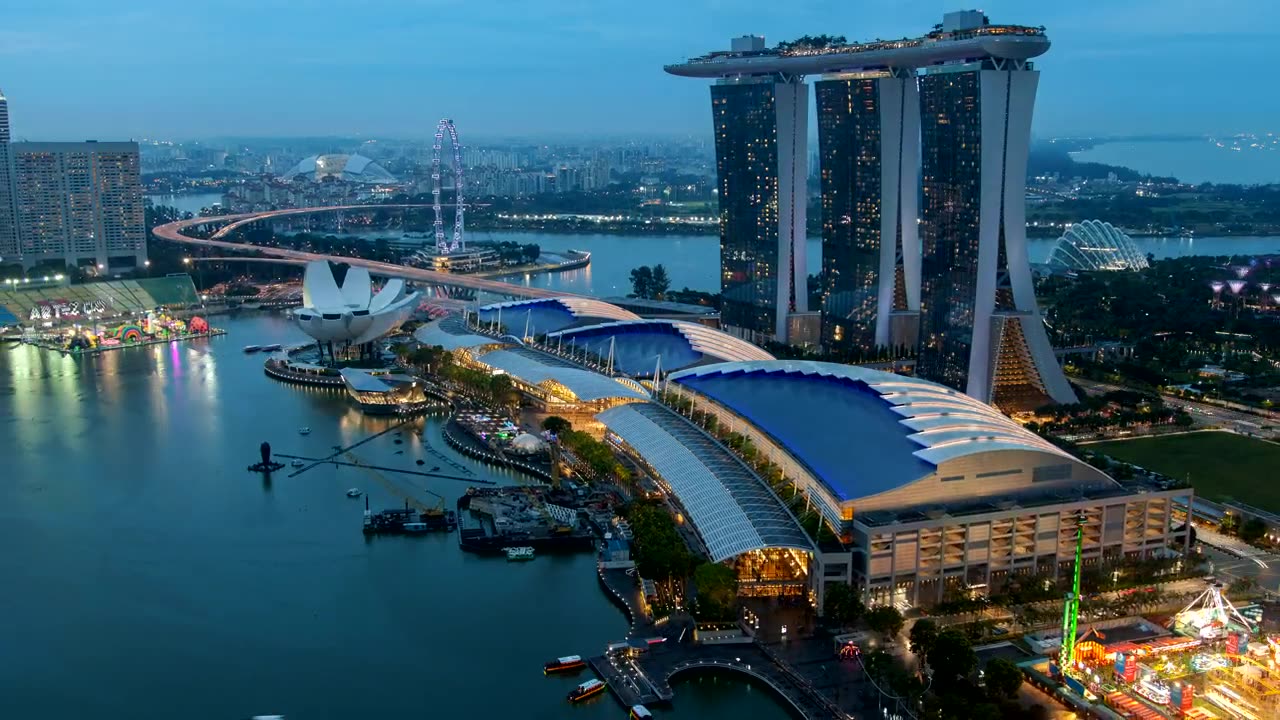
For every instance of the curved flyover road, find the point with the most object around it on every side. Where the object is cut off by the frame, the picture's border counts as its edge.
(173, 233)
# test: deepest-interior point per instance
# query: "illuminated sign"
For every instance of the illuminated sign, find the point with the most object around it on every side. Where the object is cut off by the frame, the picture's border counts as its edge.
(57, 309)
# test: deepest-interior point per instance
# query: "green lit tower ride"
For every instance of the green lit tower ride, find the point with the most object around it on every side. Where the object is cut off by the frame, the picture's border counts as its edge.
(1071, 609)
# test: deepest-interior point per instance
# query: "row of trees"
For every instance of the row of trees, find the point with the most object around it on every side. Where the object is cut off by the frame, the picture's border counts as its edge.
(810, 519)
(658, 549)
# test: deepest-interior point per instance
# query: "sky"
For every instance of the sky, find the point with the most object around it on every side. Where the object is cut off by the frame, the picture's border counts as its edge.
(187, 69)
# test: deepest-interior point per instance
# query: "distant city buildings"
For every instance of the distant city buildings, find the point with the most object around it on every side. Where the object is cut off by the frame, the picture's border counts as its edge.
(962, 97)
(76, 204)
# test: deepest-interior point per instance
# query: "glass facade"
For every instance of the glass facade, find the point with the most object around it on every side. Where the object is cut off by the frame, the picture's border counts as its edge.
(951, 179)
(849, 146)
(745, 121)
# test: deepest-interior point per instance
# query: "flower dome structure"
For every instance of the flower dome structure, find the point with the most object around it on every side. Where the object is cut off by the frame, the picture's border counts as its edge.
(341, 307)
(1094, 245)
(351, 168)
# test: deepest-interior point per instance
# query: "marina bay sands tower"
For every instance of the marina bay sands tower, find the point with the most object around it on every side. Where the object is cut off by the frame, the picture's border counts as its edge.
(923, 146)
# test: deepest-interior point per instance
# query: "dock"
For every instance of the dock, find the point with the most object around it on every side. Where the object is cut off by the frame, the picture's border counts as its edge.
(490, 519)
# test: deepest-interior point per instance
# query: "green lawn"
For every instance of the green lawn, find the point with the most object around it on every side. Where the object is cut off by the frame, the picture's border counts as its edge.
(1222, 465)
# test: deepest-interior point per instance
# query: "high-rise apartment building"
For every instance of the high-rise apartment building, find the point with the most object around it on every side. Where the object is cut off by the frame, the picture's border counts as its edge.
(9, 249)
(80, 204)
(868, 125)
(981, 331)
(761, 127)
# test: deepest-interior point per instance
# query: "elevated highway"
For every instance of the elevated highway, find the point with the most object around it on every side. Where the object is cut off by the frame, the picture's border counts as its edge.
(173, 232)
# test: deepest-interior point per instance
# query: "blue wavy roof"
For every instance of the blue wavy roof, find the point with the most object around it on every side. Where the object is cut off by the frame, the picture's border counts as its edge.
(840, 428)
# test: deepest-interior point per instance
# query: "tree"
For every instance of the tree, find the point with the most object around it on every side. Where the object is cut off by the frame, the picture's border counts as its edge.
(556, 425)
(642, 281)
(1003, 679)
(717, 591)
(841, 605)
(1252, 530)
(923, 634)
(659, 282)
(885, 620)
(951, 658)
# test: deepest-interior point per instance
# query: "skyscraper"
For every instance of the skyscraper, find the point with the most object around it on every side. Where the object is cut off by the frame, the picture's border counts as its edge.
(80, 204)
(867, 128)
(963, 287)
(981, 331)
(9, 249)
(761, 127)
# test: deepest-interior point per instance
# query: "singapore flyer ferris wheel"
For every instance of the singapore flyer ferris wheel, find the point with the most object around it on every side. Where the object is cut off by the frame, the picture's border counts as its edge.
(457, 243)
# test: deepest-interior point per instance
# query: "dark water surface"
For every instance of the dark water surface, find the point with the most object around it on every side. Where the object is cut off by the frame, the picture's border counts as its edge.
(146, 574)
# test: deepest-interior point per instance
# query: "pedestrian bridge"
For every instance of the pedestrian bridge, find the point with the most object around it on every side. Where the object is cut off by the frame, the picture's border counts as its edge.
(173, 232)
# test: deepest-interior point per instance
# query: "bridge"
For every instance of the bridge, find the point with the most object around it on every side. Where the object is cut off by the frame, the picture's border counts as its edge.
(173, 232)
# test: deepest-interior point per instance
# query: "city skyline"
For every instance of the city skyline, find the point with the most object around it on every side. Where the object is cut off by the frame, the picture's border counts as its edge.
(257, 68)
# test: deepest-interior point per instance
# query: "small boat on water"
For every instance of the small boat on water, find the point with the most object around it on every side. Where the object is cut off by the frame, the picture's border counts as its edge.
(297, 462)
(354, 492)
(519, 553)
(304, 431)
(564, 664)
(413, 528)
(586, 690)
(640, 712)
(272, 348)
(252, 348)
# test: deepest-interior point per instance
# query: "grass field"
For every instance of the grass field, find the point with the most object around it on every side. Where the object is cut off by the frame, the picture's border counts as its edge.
(1222, 465)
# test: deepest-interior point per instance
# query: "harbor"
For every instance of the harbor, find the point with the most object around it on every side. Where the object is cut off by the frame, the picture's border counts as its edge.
(340, 601)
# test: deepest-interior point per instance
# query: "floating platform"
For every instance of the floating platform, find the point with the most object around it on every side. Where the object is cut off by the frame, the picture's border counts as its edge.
(266, 467)
(490, 520)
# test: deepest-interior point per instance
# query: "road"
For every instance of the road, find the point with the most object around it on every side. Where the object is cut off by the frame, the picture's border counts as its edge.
(173, 233)
(1204, 414)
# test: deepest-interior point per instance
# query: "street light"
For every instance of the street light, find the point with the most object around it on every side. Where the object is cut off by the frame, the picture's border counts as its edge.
(186, 261)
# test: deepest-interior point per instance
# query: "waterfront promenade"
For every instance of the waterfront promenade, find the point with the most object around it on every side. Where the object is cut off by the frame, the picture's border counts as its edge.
(640, 669)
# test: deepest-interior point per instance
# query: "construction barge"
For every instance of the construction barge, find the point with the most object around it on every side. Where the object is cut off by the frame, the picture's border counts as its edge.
(407, 521)
(490, 520)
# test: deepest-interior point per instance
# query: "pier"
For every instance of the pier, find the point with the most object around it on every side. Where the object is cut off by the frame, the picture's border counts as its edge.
(640, 669)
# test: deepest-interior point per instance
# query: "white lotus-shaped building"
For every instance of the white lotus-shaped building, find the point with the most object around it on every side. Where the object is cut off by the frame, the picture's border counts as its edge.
(1094, 245)
(350, 312)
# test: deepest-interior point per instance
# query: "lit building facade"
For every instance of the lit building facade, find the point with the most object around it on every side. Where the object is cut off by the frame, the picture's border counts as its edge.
(80, 204)
(9, 248)
(930, 492)
(761, 127)
(981, 331)
(868, 154)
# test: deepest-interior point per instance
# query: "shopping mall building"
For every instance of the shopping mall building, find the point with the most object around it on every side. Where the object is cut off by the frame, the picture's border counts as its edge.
(921, 491)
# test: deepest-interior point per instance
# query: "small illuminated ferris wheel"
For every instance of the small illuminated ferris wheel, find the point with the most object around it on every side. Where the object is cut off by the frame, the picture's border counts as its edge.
(443, 245)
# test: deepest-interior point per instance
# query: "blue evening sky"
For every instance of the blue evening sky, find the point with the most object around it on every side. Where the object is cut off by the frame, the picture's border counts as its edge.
(75, 69)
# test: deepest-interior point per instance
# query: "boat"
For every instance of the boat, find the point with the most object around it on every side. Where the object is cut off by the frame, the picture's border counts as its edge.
(252, 348)
(354, 492)
(297, 462)
(520, 553)
(564, 664)
(272, 348)
(640, 712)
(414, 528)
(304, 431)
(586, 690)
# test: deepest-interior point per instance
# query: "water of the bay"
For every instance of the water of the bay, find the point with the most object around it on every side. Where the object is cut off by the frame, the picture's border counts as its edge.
(187, 202)
(693, 261)
(147, 574)
(1193, 161)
